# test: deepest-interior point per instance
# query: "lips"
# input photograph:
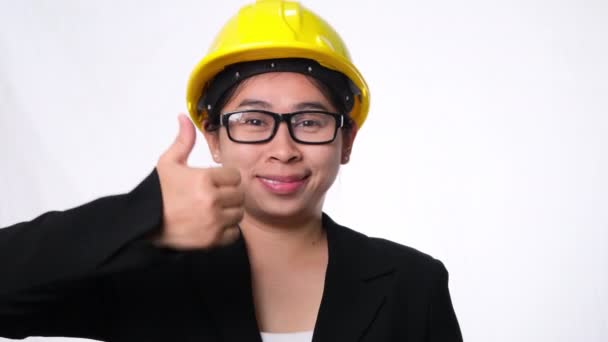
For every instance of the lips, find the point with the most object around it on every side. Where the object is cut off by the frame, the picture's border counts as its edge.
(283, 184)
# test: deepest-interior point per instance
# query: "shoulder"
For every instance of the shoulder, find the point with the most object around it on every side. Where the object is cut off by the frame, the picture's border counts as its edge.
(401, 255)
(379, 251)
(410, 263)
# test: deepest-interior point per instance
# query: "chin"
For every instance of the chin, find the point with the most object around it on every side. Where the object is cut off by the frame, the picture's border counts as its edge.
(283, 209)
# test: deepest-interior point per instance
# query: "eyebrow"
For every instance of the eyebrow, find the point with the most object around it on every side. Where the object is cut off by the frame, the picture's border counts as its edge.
(311, 105)
(254, 103)
(314, 105)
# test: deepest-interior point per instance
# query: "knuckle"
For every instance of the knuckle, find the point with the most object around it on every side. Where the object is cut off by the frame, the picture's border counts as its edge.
(213, 220)
(213, 236)
(238, 215)
(241, 197)
(237, 177)
(163, 159)
(206, 200)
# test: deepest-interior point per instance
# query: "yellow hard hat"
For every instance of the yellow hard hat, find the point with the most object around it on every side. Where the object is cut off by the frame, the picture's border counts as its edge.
(270, 29)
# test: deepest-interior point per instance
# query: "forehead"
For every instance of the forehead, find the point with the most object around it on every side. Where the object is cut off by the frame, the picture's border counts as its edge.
(280, 88)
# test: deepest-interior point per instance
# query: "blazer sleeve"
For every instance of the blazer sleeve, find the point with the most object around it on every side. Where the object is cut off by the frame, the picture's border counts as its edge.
(443, 324)
(53, 268)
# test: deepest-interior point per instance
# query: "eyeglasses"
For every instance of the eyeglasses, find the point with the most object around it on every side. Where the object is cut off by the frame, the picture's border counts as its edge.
(313, 127)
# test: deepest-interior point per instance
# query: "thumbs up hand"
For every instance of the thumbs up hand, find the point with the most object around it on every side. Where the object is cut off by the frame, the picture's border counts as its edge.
(201, 206)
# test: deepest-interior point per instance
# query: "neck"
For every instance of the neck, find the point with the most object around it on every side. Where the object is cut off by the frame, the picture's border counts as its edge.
(282, 243)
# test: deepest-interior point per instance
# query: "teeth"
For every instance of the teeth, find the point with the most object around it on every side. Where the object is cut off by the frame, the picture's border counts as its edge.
(276, 181)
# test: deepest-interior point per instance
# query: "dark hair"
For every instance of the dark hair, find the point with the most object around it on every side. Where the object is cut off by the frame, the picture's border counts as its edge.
(334, 85)
(213, 119)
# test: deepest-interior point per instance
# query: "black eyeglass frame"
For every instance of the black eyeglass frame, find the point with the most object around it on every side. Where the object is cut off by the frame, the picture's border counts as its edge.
(342, 121)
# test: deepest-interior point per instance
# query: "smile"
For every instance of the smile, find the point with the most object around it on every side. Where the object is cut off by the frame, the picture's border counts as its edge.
(283, 185)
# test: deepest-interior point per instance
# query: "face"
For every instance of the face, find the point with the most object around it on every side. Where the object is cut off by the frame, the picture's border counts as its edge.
(282, 179)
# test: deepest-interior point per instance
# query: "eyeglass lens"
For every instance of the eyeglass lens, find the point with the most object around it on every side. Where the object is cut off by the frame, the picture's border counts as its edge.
(254, 126)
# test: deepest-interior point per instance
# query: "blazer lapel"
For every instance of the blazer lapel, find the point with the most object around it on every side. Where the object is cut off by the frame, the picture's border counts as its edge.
(356, 283)
(223, 278)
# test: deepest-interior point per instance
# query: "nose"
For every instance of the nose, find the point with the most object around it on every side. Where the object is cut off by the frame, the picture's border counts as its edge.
(282, 147)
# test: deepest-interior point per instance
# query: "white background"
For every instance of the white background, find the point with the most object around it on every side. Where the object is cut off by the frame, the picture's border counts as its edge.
(486, 145)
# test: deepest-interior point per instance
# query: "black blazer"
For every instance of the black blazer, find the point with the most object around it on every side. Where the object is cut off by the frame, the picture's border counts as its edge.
(90, 272)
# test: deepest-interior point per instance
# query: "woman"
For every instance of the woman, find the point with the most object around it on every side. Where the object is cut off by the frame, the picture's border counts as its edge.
(242, 252)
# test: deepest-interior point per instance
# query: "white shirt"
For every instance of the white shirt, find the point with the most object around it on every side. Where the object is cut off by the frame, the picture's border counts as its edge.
(304, 336)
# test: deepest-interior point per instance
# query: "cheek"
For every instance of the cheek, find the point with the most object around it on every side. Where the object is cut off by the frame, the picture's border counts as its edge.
(325, 161)
(243, 157)
(240, 157)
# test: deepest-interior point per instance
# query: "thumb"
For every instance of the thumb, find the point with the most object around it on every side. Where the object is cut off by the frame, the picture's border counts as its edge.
(184, 142)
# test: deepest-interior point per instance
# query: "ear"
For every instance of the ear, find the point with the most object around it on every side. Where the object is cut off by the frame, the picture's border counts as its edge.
(348, 139)
(213, 142)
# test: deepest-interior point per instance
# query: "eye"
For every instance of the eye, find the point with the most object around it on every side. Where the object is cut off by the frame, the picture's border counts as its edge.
(309, 123)
(251, 119)
(252, 122)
